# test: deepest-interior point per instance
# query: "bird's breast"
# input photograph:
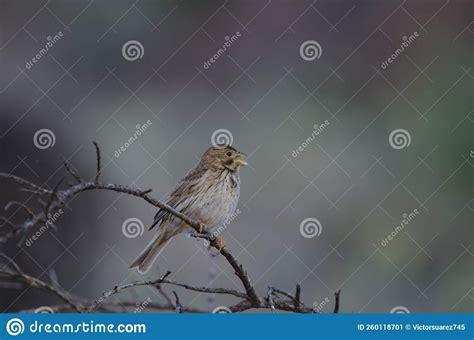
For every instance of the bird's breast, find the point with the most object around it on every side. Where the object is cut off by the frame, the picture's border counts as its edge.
(218, 199)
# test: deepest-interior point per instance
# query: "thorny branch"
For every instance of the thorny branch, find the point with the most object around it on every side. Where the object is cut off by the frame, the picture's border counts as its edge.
(57, 199)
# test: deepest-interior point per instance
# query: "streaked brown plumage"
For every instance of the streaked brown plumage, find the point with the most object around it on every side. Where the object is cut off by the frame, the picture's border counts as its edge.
(208, 194)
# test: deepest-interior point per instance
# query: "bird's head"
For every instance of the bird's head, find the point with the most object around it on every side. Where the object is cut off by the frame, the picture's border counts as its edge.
(220, 157)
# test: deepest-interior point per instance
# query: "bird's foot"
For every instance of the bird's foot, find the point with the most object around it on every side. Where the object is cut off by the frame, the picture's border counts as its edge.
(220, 244)
(201, 227)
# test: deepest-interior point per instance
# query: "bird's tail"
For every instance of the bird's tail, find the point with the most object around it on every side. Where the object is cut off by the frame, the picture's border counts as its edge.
(151, 252)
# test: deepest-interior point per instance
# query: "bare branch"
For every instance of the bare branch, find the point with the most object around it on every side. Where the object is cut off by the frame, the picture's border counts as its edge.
(111, 307)
(275, 299)
(70, 170)
(337, 296)
(23, 206)
(10, 262)
(270, 299)
(297, 295)
(118, 289)
(288, 295)
(168, 273)
(179, 307)
(54, 195)
(97, 152)
(161, 291)
(163, 294)
(32, 281)
(25, 182)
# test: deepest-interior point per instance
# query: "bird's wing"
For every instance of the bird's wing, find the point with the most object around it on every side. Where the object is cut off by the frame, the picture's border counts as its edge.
(181, 196)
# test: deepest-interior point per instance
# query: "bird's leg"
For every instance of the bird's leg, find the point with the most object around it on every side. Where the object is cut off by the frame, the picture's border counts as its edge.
(220, 243)
(201, 226)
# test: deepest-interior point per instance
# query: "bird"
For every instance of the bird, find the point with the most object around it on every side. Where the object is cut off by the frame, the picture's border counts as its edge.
(209, 194)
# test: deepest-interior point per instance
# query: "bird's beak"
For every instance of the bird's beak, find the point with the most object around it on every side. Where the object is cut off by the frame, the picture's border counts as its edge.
(241, 162)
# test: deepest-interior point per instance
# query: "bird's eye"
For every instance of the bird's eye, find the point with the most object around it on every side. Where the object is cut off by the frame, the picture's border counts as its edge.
(229, 154)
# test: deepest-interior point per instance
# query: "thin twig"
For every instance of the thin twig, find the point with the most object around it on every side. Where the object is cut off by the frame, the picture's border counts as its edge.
(337, 296)
(297, 295)
(70, 170)
(118, 289)
(161, 291)
(179, 307)
(288, 295)
(23, 206)
(23, 181)
(97, 152)
(270, 299)
(111, 306)
(54, 195)
(35, 282)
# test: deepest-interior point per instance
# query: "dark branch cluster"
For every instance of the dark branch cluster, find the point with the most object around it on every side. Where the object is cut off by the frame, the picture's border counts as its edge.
(52, 201)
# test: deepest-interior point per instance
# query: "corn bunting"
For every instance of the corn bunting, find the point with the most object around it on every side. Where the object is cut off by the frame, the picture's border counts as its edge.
(208, 194)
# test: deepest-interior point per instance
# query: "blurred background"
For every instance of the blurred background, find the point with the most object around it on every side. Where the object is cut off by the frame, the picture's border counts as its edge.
(388, 85)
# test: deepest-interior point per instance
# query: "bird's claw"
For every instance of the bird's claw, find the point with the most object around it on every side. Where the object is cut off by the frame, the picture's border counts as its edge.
(201, 227)
(220, 244)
